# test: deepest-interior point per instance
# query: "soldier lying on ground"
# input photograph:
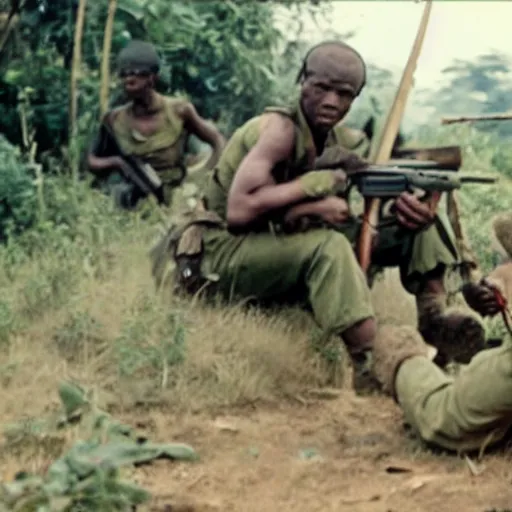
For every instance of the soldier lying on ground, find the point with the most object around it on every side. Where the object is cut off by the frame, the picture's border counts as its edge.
(150, 126)
(472, 410)
(269, 176)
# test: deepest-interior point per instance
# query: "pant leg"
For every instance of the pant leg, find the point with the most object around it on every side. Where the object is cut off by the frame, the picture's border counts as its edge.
(415, 254)
(462, 413)
(433, 247)
(318, 265)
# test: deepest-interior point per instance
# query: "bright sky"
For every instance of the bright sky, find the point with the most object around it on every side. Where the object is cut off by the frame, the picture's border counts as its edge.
(385, 31)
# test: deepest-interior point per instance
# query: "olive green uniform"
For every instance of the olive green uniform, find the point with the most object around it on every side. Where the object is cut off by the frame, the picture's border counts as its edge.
(469, 411)
(319, 265)
(164, 150)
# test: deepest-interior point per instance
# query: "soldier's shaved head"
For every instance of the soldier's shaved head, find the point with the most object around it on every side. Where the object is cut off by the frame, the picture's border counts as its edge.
(332, 76)
(337, 61)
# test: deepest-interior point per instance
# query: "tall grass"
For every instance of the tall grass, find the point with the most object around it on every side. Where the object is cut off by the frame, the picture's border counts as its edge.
(78, 302)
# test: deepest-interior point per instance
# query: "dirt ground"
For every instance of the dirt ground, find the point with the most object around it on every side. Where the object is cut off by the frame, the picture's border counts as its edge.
(292, 450)
(336, 453)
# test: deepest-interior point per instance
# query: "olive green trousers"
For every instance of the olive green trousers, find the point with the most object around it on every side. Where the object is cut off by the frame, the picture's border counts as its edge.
(318, 267)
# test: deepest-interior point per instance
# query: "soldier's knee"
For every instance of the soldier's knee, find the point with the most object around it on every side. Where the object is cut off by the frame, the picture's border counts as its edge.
(337, 248)
(333, 253)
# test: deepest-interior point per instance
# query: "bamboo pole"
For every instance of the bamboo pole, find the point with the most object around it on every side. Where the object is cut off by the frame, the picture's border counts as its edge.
(391, 127)
(75, 67)
(105, 59)
(9, 26)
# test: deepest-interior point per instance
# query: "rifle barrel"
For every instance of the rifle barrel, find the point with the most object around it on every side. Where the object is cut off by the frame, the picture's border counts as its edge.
(477, 179)
(383, 171)
(411, 164)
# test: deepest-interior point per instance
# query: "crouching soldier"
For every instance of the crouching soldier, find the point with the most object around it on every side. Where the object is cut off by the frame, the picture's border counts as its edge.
(274, 172)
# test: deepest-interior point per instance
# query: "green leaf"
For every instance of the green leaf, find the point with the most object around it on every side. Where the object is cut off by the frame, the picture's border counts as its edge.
(133, 8)
(12, 76)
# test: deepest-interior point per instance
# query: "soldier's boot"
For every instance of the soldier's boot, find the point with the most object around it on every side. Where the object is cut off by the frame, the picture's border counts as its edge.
(393, 345)
(457, 334)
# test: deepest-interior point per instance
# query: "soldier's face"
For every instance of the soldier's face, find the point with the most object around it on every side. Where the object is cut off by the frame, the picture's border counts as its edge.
(326, 100)
(135, 82)
(334, 76)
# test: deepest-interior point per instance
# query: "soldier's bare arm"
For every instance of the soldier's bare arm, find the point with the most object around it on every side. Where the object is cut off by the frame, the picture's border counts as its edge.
(253, 191)
(101, 164)
(206, 131)
(331, 209)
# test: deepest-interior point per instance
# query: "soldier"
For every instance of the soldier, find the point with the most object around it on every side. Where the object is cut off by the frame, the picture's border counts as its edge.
(472, 410)
(268, 177)
(150, 126)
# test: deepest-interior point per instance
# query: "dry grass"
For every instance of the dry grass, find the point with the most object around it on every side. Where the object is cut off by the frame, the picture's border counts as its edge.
(109, 331)
(89, 313)
(231, 355)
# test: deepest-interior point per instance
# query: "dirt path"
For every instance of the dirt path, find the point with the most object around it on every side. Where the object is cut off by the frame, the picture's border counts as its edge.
(327, 455)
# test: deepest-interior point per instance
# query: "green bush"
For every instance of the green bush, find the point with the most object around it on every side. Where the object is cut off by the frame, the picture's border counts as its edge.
(18, 193)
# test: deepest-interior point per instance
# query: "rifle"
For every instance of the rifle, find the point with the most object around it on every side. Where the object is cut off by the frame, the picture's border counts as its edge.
(383, 183)
(141, 174)
(380, 181)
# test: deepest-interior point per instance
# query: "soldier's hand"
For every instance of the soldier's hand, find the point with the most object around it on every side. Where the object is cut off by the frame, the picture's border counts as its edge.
(316, 184)
(412, 213)
(336, 157)
(333, 210)
(482, 297)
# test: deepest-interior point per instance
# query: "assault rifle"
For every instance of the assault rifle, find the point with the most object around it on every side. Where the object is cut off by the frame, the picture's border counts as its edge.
(388, 182)
(385, 182)
(142, 175)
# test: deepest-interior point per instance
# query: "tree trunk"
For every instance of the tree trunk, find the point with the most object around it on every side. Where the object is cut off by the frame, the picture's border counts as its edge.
(105, 60)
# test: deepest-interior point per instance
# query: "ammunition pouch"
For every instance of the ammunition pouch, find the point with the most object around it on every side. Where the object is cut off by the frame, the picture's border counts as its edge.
(181, 250)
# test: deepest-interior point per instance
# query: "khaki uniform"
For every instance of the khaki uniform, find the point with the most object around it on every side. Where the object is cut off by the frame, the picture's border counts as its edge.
(317, 266)
(474, 409)
(164, 150)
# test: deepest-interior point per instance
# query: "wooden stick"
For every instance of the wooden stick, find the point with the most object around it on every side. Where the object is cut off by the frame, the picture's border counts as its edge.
(470, 270)
(469, 119)
(75, 68)
(383, 153)
(105, 58)
(12, 21)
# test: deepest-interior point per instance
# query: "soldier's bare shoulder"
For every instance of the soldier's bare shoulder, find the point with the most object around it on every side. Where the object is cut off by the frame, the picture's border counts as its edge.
(277, 128)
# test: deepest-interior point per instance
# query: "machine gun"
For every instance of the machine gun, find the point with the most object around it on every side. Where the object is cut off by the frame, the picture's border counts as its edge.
(385, 182)
(389, 182)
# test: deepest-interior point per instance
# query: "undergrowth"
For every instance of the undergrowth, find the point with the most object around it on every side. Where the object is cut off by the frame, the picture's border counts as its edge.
(78, 302)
